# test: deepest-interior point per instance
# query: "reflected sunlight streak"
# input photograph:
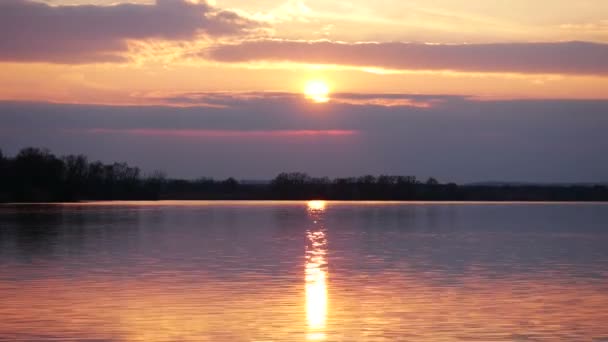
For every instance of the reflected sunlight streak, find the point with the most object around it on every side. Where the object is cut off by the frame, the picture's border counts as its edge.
(316, 273)
(316, 205)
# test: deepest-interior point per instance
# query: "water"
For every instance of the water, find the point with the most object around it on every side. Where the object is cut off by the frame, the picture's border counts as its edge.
(297, 271)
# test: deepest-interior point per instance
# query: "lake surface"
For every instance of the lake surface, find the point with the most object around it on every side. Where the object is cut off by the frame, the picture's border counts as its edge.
(298, 271)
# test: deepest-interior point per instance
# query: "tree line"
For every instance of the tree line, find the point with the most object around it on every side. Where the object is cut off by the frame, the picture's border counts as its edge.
(37, 175)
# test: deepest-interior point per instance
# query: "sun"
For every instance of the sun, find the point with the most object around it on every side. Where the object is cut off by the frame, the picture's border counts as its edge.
(317, 91)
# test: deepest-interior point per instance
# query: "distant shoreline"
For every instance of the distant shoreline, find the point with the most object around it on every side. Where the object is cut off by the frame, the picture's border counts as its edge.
(36, 175)
(290, 202)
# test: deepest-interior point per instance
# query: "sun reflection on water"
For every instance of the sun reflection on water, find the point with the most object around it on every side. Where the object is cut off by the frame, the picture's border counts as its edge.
(316, 273)
(316, 206)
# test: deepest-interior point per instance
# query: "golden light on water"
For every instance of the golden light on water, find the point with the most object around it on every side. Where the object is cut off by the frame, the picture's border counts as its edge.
(316, 274)
(316, 205)
(317, 91)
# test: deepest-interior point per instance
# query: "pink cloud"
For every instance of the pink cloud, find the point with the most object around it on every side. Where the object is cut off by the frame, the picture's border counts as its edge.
(215, 133)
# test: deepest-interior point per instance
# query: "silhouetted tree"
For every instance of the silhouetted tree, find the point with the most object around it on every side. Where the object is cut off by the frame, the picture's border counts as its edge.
(432, 181)
(4, 178)
(230, 184)
(293, 178)
(95, 188)
(154, 184)
(290, 185)
(76, 176)
(37, 175)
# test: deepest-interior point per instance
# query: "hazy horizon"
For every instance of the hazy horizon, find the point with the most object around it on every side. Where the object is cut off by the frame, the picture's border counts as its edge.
(454, 139)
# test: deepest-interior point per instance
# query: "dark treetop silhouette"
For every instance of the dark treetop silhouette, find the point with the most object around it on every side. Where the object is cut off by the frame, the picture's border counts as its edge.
(36, 175)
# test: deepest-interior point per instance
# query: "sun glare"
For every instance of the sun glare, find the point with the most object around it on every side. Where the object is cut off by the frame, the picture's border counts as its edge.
(317, 91)
(316, 205)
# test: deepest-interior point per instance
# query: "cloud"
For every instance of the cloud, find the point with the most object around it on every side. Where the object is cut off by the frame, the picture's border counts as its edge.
(208, 133)
(534, 58)
(588, 28)
(37, 32)
(227, 99)
(257, 135)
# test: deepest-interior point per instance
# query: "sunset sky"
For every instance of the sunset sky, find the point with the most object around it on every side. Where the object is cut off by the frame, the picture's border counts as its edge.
(461, 90)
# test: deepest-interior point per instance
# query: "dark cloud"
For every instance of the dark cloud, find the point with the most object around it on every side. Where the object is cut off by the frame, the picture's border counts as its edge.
(227, 99)
(550, 58)
(32, 31)
(257, 135)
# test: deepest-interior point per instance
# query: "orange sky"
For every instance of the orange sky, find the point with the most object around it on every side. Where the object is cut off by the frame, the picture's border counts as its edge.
(162, 62)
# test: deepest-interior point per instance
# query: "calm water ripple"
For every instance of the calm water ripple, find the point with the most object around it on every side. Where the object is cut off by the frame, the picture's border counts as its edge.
(304, 271)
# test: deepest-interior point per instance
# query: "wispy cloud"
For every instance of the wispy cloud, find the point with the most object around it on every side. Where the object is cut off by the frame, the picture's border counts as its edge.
(227, 99)
(207, 133)
(33, 31)
(530, 58)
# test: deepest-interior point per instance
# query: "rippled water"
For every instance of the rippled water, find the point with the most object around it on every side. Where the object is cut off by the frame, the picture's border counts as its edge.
(297, 271)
